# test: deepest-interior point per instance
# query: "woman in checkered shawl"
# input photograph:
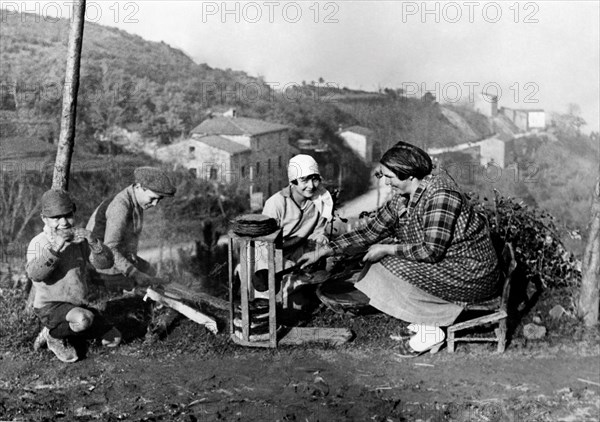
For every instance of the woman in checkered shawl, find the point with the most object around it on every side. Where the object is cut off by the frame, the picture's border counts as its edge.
(441, 256)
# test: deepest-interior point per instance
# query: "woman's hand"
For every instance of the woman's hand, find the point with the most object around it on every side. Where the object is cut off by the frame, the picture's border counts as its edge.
(319, 239)
(311, 257)
(378, 251)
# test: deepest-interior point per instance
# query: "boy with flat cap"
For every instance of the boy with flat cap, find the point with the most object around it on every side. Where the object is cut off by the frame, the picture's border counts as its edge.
(57, 262)
(118, 223)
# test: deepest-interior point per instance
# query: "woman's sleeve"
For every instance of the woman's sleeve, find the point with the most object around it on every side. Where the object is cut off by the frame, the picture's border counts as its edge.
(274, 208)
(380, 227)
(326, 214)
(439, 222)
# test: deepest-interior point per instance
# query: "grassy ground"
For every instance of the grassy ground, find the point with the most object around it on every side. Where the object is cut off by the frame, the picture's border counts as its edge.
(172, 369)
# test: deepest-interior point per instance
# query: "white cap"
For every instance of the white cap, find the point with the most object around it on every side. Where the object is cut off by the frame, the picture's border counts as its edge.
(302, 165)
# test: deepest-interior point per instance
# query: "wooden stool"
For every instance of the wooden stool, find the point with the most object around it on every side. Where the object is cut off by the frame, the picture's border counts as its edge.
(246, 246)
(496, 309)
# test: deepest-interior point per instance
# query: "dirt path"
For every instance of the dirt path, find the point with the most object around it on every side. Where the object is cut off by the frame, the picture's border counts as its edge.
(138, 383)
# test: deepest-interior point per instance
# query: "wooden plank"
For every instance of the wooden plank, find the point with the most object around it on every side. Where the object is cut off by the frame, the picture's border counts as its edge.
(470, 339)
(183, 309)
(301, 335)
(478, 321)
(180, 291)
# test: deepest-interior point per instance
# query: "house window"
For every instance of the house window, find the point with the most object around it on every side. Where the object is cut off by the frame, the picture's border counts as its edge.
(257, 168)
(269, 168)
(243, 171)
(214, 173)
(279, 161)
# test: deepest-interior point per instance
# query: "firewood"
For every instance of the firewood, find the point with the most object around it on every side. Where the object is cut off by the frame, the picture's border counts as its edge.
(186, 310)
(179, 290)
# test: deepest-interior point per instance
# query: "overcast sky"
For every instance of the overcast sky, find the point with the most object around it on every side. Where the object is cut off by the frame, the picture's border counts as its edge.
(543, 54)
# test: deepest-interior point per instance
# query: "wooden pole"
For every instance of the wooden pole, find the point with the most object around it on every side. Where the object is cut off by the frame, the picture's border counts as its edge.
(589, 296)
(66, 139)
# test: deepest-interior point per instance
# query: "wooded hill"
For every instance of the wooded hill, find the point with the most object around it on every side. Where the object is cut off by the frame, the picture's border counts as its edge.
(158, 91)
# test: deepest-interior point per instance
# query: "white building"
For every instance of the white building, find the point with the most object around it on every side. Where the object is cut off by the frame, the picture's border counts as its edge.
(526, 120)
(486, 104)
(360, 140)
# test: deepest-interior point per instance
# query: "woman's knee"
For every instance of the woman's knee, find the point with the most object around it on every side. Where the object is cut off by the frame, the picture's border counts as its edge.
(80, 319)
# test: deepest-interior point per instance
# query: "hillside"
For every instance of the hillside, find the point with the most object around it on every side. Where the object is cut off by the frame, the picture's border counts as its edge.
(125, 80)
(160, 93)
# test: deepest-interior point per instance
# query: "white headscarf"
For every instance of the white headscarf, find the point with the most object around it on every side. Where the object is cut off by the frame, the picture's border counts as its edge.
(302, 165)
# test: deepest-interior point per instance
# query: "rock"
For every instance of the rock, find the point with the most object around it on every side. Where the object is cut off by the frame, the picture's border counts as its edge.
(321, 389)
(557, 312)
(533, 331)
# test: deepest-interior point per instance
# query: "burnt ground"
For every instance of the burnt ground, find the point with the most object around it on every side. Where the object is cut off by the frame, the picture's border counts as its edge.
(185, 373)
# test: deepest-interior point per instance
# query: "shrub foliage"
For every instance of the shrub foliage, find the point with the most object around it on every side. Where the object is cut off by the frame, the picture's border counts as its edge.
(536, 240)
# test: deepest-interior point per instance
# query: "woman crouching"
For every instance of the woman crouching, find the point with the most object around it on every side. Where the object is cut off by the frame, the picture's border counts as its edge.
(442, 256)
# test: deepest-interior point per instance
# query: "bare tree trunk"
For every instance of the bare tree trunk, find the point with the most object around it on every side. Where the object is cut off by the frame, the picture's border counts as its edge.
(588, 297)
(66, 140)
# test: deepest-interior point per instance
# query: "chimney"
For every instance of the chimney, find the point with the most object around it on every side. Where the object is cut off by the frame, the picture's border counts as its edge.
(494, 105)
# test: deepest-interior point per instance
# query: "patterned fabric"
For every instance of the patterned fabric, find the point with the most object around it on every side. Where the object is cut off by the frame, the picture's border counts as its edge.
(444, 246)
(396, 297)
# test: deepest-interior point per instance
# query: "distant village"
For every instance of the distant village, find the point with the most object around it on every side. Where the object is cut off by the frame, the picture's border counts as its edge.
(227, 148)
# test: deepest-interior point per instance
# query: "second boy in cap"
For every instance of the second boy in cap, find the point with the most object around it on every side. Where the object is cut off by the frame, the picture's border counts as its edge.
(118, 222)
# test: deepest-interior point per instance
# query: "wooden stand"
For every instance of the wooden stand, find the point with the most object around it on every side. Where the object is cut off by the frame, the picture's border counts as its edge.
(497, 310)
(246, 245)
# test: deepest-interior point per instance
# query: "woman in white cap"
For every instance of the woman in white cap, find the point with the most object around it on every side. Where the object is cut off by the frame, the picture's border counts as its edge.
(303, 210)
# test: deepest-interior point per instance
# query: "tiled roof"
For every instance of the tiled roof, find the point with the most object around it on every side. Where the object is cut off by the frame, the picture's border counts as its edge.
(358, 129)
(222, 144)
(236, 126)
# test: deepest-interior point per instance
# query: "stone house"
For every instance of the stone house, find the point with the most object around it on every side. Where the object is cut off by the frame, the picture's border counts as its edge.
(486, 104)
(526, 120)
(360, 140)
(497, 150)
(231, 149)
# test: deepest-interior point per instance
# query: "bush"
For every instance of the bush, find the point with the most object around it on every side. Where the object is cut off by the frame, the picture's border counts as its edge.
(536, 240)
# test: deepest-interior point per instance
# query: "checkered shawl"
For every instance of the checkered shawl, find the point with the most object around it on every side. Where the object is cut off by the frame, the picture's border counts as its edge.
(443, 245)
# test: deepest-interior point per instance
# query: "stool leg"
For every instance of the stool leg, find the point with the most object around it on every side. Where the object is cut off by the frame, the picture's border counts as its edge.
(231, 277)
(450, 341)
(245, 277)
(272, 302)
(501, 335)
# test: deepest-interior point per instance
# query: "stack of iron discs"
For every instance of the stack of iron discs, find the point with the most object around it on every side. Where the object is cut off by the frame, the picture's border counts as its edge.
(254, 225)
